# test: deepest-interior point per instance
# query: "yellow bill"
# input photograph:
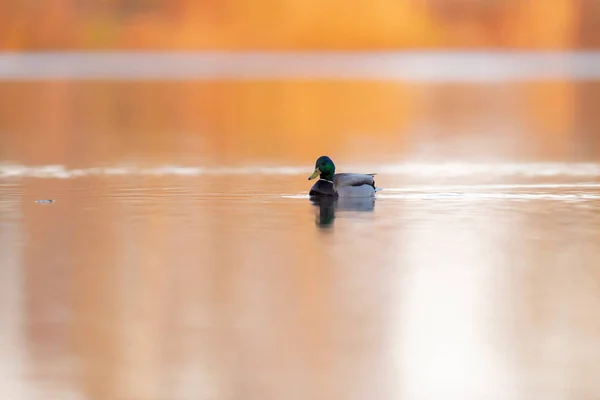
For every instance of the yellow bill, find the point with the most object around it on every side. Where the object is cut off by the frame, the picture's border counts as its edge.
(315, 174)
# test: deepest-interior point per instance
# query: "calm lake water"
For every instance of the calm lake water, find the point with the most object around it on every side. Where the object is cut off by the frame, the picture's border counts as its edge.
(183, 260)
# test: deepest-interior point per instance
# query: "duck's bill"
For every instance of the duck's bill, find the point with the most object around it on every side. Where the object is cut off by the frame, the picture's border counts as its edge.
(315, 174)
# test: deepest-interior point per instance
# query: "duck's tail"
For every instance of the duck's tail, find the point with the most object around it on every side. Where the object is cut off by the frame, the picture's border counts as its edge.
(377, 189)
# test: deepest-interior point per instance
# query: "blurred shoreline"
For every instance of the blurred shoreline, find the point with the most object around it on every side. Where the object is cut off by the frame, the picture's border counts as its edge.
(409, 66)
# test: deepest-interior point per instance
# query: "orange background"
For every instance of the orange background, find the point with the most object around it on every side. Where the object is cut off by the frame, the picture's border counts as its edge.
(291, 121)
(298, 24)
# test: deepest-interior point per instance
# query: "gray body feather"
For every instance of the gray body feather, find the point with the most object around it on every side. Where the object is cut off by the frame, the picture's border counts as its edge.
(354, 185)
(356, 191)
(349, 179)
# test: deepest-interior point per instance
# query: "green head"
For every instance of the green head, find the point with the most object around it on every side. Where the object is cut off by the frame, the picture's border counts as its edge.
(324, 168)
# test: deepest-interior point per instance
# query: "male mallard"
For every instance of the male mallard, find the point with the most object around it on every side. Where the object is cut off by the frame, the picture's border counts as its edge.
(342, 185)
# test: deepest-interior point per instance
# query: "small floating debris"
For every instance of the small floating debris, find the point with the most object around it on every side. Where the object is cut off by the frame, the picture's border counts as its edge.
(45, 201)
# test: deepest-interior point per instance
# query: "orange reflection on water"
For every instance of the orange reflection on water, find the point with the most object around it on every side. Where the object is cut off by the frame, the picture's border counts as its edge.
(292, 122)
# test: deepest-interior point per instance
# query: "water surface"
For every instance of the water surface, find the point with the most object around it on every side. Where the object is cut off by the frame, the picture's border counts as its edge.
(182, 259)
(230, 285)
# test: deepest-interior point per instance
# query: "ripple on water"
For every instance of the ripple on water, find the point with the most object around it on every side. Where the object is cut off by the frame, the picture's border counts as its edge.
(589, 170)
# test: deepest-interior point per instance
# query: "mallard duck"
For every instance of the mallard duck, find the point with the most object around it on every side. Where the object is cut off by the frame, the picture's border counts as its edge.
(341, 185)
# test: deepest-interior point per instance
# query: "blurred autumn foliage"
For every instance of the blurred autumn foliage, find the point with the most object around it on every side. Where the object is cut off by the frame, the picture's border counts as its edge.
(237, 121)
(297, 24)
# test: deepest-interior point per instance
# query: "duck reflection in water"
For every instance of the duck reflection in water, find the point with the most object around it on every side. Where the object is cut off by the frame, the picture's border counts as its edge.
(329, 205)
